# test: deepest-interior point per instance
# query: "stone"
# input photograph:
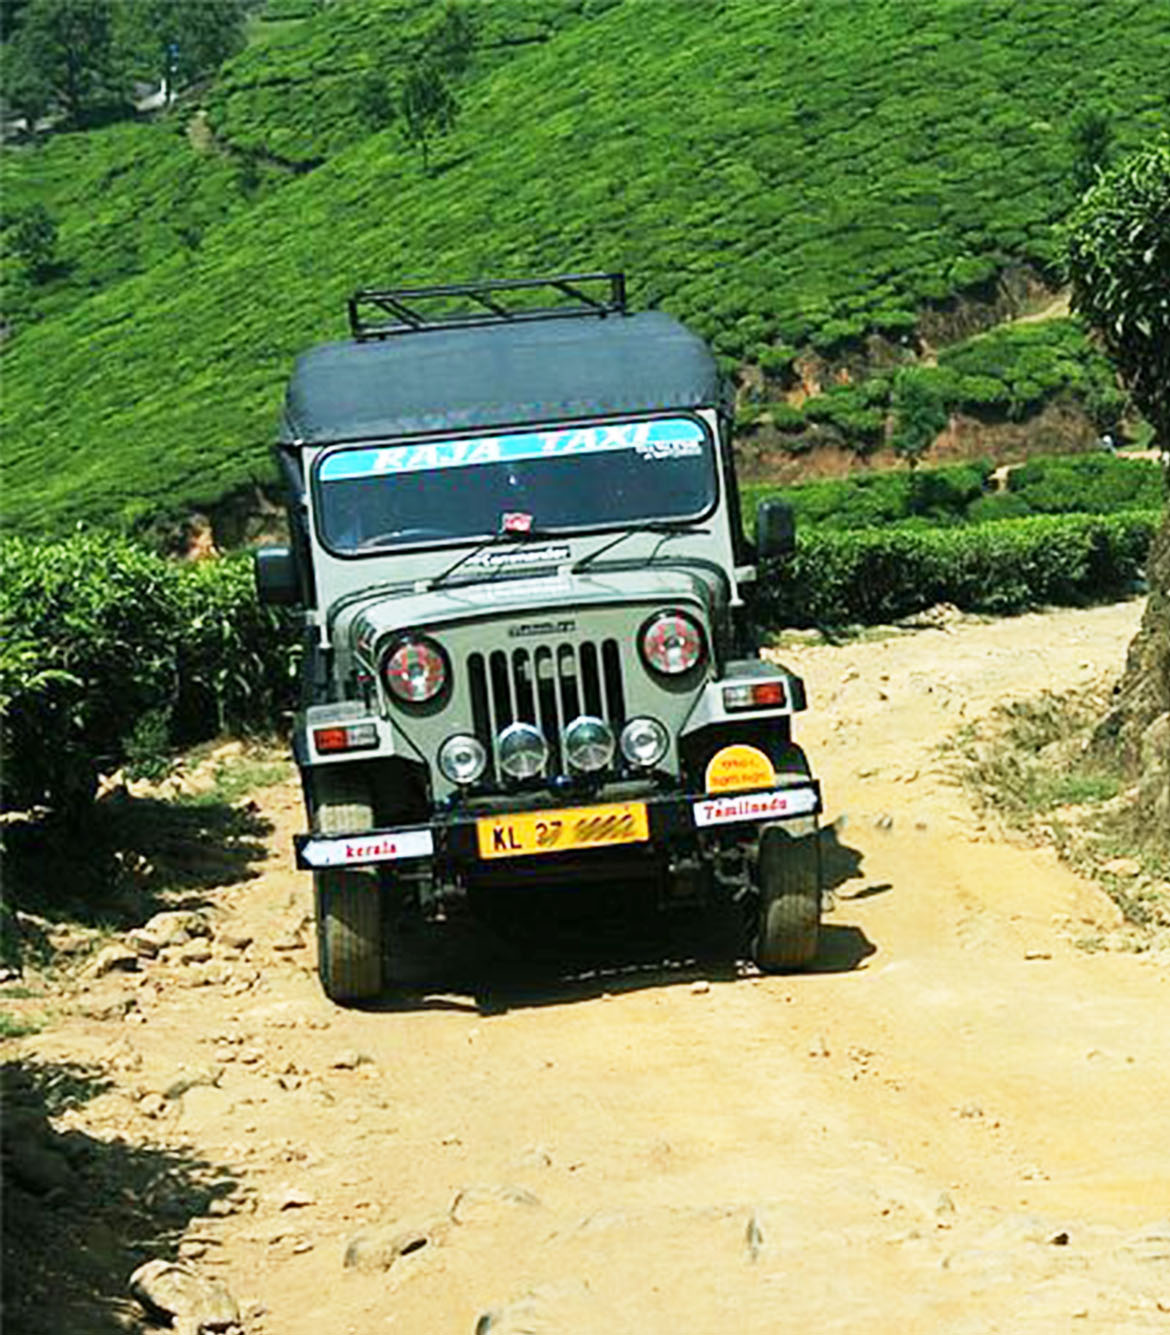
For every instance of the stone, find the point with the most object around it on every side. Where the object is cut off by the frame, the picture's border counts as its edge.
(1123, 867)
(295, 1198)
(348, 1060)
(197, 951)
(189, 1079)
(700, 987)
(152, 1105)
(115, 956)
(173, 927)
(486, 1204)
(195, 1304)
(380, 1248)
(234, 938)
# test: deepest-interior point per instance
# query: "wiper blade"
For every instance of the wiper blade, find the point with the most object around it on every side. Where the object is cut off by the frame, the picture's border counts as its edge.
(655, 526)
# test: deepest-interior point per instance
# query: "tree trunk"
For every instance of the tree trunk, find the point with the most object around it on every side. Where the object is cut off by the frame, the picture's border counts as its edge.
(1138, 727)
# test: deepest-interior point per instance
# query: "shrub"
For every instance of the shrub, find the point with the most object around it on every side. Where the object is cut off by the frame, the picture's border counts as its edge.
(883, 574)
(108, 650)
(1101, 483)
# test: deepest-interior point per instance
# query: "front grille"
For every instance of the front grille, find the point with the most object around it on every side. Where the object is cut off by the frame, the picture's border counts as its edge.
(548, 685)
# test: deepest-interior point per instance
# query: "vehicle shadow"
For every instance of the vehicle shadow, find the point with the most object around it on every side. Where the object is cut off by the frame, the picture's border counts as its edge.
(547, 947)
(82, 1211)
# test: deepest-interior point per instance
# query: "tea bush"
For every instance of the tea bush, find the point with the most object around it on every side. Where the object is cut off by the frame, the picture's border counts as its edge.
(882, 574)
(107, 650)
(1071, 483)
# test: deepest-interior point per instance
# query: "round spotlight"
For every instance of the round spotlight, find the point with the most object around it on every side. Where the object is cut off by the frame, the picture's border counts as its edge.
(522, 750)
(644, 742)
(462, 758)
(589, 743)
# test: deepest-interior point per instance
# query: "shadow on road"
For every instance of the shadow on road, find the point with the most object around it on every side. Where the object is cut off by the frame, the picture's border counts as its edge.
(132, 857)
(548, 947)
(82, 1212)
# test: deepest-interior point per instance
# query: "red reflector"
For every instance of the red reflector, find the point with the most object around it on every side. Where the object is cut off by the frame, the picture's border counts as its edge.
(768, 693)
(330, 739)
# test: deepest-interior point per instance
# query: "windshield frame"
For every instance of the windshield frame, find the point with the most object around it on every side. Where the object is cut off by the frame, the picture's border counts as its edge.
(712, 454)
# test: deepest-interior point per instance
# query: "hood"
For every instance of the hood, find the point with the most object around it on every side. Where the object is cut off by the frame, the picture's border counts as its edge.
(546, 606)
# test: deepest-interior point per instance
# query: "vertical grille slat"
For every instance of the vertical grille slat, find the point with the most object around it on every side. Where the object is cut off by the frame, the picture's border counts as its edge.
(548, 684)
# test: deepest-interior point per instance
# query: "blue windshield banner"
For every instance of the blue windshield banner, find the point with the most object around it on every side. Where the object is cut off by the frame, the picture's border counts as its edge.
(665, 438)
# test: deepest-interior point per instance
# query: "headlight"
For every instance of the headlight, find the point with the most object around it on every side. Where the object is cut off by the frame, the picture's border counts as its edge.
(462, 758)
(589, 743)
(415, 671)
(672, 643)
(523, 751)
(644, 742)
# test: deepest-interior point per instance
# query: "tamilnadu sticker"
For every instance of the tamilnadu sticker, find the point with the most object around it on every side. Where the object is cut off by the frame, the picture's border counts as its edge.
(739, 767)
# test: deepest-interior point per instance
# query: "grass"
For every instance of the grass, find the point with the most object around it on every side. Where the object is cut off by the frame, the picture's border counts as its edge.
(14, 1025)
(1032, 764)
(781, 183)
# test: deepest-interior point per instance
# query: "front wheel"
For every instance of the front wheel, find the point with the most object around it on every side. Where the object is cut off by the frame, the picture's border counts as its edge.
(788, 881)
(348, 903)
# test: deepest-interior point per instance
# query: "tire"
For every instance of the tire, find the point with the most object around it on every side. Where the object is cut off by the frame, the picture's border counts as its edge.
(348, 903)
(788, 879)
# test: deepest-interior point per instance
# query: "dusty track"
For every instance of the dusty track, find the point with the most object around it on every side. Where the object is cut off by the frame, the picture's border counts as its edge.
(958, 1122)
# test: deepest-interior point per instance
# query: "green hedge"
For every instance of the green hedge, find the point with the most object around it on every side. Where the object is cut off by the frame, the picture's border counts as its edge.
(109, 653)
(1074, 483)
(882, 574)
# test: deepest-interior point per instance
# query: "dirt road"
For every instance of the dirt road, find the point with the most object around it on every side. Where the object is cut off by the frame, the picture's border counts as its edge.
(959, 1121)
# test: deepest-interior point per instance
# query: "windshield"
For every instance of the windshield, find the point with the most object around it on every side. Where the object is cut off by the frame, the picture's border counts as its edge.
(580, 477)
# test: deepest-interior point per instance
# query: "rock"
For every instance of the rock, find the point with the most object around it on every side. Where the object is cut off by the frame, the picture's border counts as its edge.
(380, 1248)
(348, 1060)
(195, 1304)
(295, 1198)
(115, 956)
(568, 1305)
(884, 822)
(484, 1204)
(234, 938)
(754, 1236)
(195, 952)
(174, 927)
(197, 1075)
(1123, 867)
(700, 987)
(106, 1008)
(290, 940)
(152, 1105)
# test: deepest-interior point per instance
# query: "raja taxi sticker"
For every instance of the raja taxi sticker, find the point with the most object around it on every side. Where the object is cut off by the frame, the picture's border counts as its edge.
(739, 767)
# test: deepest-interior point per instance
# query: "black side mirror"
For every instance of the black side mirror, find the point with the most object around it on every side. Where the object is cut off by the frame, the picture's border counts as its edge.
(775, 529)
(277, 584)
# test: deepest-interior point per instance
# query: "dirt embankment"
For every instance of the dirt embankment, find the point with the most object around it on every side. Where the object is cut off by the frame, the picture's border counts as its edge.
(957, 1121)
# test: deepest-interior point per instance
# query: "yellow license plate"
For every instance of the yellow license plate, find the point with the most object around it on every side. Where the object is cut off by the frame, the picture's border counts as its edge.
(527, 832)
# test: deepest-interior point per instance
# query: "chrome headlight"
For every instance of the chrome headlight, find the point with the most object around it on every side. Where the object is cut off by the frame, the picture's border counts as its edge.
(672, 643)
(522, 750)
(589, 743)
(644, 741)
(462, 758)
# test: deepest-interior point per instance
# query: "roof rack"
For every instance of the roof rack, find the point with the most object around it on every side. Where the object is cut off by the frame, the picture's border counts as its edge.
(383, 313)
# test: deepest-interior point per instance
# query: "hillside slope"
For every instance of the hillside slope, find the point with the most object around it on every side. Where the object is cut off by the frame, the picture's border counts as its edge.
(774, 177)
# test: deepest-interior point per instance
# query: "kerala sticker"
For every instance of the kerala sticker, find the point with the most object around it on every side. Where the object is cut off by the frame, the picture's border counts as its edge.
(667, 438)
(737, 768)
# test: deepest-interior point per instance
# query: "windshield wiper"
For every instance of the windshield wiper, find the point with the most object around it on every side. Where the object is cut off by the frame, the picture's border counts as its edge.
(667, 530)
(504, 535)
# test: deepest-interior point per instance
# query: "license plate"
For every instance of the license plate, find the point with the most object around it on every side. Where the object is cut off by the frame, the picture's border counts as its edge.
(528, 832)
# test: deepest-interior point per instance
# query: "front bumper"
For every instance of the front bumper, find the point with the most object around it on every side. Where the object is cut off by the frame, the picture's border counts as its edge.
(454, 841)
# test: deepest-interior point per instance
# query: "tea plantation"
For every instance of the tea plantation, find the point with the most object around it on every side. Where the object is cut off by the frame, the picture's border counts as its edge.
(783, 177)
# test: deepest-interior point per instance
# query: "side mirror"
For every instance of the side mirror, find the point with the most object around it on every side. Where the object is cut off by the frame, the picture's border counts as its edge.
(775, 529)
(277, 584)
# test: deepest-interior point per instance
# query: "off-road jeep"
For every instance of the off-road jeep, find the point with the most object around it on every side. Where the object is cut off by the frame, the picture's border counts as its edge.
(515, 532)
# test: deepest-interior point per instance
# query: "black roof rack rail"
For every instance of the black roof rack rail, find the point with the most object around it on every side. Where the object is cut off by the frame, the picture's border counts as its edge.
(376, 313)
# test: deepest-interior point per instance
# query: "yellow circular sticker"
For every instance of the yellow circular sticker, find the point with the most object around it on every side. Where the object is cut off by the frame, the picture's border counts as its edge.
(739, 767)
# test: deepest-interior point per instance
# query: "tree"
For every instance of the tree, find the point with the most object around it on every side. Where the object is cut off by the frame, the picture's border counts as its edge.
(1091, 137)
(451, 40)
(178, 41)
(919, 414)
(33, 239)
(67, 47)
(427, 106)
(1117, 257)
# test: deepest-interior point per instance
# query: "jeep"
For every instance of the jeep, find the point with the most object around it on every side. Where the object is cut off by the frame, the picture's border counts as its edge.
(530, 656)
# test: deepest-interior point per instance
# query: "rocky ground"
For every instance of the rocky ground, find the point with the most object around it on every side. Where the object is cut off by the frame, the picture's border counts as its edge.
(957, 1121)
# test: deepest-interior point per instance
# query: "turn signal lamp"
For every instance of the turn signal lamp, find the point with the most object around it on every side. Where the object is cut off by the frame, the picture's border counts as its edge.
(755, 695)
(345, 737)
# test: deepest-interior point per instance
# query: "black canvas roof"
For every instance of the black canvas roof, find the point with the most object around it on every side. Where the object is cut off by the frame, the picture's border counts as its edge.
(457, 379)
